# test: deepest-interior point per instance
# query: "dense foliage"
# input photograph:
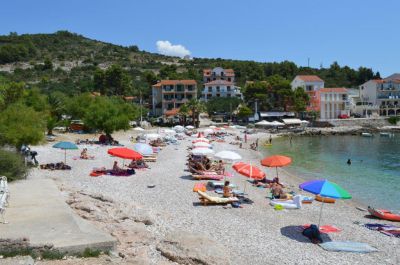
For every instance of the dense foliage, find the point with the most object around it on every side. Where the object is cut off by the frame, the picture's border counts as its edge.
(12, 165)
(223, 105)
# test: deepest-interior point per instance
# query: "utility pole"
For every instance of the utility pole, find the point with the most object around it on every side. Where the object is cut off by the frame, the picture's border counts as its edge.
(308, 62)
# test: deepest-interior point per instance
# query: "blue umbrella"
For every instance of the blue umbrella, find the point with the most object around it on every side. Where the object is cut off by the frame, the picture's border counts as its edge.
(143, 149)
(65, 146)
(325, 188)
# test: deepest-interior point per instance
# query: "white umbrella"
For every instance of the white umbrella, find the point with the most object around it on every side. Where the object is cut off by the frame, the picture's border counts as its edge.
(277, 123)
(202, 151)
(168, 131)
(208, 131)
(138, 129)
(263, 123)
(228, 156)
(202, 144)
(190, 127)
(152, 136)
(179, 128)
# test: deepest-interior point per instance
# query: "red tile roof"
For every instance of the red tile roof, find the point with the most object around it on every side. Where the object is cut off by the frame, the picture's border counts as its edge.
(219, 83)
(335, 90)
(175, 82)
(310, 78)
(171, 112)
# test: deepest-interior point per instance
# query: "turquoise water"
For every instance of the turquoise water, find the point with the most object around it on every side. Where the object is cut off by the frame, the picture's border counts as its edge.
(373, 178)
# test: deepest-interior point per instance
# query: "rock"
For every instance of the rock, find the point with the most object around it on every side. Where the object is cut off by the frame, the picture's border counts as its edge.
(19, 260)
(192, 249)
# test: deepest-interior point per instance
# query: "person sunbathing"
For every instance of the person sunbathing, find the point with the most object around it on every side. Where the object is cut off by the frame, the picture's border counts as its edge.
(138, 164)
(277, 191)
(84, 154)
(227, 191)
(116, 169)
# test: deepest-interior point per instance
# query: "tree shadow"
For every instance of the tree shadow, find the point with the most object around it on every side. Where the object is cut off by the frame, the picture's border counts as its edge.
(294, 232)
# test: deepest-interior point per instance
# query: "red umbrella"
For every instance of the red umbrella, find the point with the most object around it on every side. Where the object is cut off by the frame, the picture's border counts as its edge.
(125, 153)
(276, 161)
(248, 170)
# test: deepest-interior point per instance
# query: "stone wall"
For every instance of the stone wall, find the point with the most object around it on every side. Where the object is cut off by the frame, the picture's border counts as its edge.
(364, 122)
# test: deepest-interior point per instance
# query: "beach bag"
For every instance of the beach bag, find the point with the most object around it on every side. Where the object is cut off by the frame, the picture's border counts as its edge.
(313, 234)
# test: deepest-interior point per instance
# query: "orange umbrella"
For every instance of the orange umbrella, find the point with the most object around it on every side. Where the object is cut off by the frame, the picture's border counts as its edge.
(248, 170)
(125, 153)
(276, 161)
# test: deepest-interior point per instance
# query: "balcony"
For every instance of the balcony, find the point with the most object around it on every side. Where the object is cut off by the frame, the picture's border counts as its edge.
(395, 97)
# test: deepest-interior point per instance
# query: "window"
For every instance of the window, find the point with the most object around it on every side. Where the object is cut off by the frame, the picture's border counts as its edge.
(190, 87)
(179, 88)
(222, 73)
(214, 78)
(209, 89)
(189, 96)
(228, 88)
(229, 79)
(208, 79)
(309, 88)
(218, 89)
(218, 95)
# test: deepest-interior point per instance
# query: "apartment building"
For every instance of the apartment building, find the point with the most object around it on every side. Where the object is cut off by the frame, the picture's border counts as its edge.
(170, 95)
(311, 84)
(219, 82)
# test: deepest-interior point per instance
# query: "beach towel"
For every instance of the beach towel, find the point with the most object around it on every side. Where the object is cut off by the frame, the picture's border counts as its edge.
(347, 246)
(326, 229)
(389, 230)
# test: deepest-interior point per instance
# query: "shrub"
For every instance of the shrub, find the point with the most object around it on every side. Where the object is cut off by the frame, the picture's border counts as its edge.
(393, 120)
(12, 165)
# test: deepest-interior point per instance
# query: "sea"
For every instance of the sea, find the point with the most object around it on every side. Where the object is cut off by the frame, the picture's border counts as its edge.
(373, 178)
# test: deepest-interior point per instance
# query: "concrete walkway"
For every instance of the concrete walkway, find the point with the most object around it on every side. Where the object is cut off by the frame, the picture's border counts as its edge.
(38, 211)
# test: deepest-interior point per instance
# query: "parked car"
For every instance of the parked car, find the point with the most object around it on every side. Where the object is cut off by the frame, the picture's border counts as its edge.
(344, 116)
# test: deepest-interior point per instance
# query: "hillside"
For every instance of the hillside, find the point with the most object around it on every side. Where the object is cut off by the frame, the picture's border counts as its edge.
(67, 61)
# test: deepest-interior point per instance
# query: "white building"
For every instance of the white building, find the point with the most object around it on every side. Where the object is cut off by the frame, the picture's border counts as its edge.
(219, 82)
(310, 83)
(384, 93)
(333, 102)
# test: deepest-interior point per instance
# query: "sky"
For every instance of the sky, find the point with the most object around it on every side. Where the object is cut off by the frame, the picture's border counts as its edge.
(351, 32)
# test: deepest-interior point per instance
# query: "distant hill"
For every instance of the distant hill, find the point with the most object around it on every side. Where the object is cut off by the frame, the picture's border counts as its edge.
(67, 61)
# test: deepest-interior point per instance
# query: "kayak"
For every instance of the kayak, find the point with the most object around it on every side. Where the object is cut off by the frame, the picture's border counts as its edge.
(384, 214)
(324, 199)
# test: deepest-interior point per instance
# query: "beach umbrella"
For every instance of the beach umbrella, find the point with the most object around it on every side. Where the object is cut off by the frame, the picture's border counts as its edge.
(276, 161)
(125, 153)
(168, 131)
(65, 146)
(276, 123)
(202, 151)
(248, 170)
(325, 188)
(143, 149)
(152, 136)
(263, 123)
(202, 144)
(190, 127)
(205, 140)
(138, 129)
(179, 128)
(208, 131)
(228, 156)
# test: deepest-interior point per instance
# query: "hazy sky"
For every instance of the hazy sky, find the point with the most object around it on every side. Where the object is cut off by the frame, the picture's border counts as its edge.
(352, 32)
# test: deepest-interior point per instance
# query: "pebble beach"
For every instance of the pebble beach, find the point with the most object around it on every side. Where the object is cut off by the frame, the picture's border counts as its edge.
(143, 219)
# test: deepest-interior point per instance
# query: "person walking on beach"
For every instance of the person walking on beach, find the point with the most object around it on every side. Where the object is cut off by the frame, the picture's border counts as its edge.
(257, 144)
(245, 138)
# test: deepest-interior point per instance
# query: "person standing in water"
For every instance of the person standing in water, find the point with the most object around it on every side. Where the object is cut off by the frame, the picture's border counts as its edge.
(349, 161)
(270, 139)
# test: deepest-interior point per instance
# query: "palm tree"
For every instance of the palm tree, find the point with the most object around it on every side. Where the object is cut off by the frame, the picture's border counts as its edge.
(184, 112)
(196, 107)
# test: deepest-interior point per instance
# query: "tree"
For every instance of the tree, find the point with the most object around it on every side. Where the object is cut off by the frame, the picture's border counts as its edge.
(109, 114)
(259, 91)
(196, 107)
(300, 99)
(184, 112)
(224, 105)
(77, 106)
(11, 93)
(20, 124)
(244, 111)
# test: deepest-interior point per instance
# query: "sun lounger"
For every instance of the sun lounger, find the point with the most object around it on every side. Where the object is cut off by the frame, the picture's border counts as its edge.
(207, 177)
(206, 199)
(150, 159)
(220, 184)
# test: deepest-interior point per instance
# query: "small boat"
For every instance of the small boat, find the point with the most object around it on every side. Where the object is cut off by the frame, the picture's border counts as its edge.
(324, 199)
(384, 214)
(385, 134)
(367, 134)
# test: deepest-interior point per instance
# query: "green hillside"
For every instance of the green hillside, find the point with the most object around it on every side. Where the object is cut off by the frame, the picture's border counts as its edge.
(67, 62)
